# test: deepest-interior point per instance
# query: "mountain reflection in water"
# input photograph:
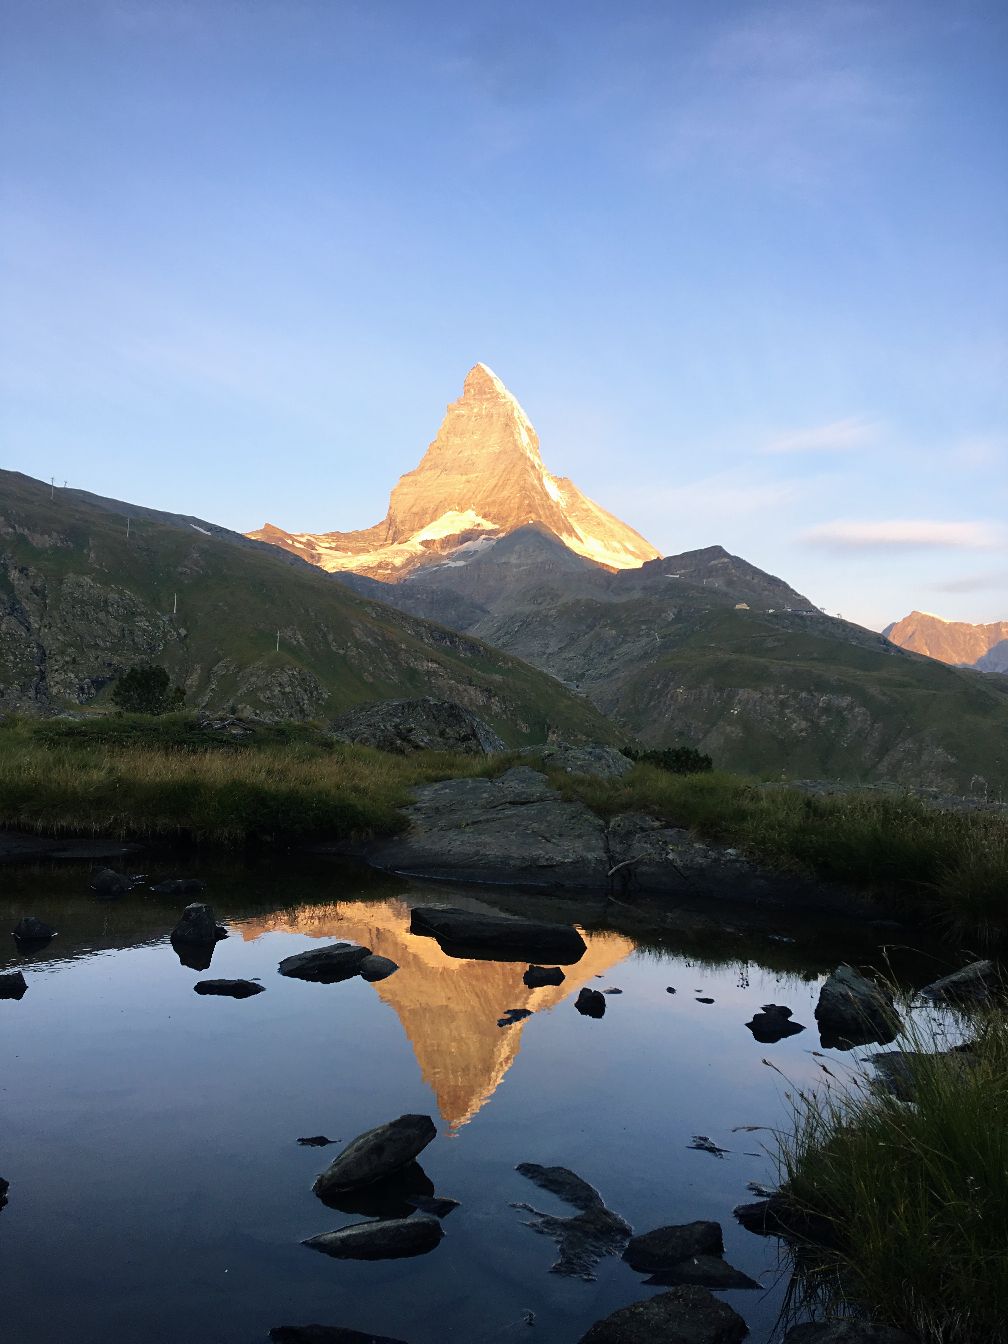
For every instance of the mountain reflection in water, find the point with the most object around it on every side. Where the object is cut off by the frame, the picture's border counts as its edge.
(448, 1006)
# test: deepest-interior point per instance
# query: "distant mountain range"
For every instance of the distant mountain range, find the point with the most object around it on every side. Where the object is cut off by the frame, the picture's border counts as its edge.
(984, 647)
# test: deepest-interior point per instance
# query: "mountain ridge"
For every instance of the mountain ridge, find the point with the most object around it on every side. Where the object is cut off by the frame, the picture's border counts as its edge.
(959, 643)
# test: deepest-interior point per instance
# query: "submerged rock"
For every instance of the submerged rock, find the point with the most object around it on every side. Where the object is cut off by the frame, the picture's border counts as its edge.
(326, 1334)
(537, 976)
(394, 1196)
(199, 926)
(667, 1246)
(853, 1010)
(686, 1315)
(898, 1069)
(973, 984)
(776, 1216)
(374, 968)
(502, 936)
(316, 1141)
(377, 1153)
(772, 1024)
(32, 930)
(590, 1003)
(586, 1237)
(179, 886)
(326, 965)
(13, 985)
(437, 1206)
(233, 989)
(108, 884)
(383, 1239)
(706, 1271)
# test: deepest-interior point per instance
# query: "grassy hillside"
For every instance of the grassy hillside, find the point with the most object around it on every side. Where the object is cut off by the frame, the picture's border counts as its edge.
(80, 600)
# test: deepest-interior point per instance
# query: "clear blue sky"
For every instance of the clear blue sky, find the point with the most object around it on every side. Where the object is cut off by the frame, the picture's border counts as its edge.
(744, 264)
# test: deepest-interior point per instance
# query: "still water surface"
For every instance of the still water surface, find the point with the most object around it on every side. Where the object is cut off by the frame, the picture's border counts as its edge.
(149, 1134)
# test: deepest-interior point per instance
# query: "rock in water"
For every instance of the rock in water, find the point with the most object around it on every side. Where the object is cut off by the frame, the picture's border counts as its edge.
(403, 726)
(706, 1271)
(394, 1196)
(326, 965)
(501, 936)
(584, 1238)
(847, 1332)
(32, 930)
(108, 884)
(4, 1187)
(377, 1153)
(973, 984)
(179, 886)
(668, 1246)
(590, 1003)
(233, 989)
(316, 1141)
(13, 985)
(326, 1334)
(537, 976)
(687, 1315)
(198, 926)
(853, 1010)
(374, 968)
(773, 1023)
(384, 1239)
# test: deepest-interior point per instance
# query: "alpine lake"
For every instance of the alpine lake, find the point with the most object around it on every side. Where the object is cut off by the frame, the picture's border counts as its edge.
(158, 1192)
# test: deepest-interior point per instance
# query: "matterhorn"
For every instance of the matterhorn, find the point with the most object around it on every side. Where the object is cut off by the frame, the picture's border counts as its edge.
(482, 478)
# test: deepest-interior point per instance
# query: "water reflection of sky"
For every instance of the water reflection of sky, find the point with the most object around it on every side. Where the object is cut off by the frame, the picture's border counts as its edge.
(149, 1134)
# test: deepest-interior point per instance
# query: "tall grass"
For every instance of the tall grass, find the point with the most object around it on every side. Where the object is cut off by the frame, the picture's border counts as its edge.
(916, 1192)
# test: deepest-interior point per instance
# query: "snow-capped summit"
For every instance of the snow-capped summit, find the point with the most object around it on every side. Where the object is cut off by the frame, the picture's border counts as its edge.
(482, 477)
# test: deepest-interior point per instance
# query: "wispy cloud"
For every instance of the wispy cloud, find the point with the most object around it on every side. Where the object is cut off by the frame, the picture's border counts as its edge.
(990, 580)
(906, 534)
(839, 436)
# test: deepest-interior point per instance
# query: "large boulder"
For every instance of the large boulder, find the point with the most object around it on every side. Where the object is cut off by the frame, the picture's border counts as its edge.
(595, 760)
(426, 724)
(514, 829)
(502, 937)
(687, 1315)
(326, 965)
(32, 930)
(198, 926)
(383, 1239)
(971, 985)
(853, 1010)
(377, 1153)
(667, 1246)
(107, 884)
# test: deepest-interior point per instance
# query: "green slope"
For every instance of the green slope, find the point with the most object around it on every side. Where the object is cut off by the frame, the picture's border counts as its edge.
(80, 600)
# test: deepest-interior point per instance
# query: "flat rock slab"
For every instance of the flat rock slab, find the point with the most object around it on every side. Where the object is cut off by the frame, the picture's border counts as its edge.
(847, 1332)
(232, 989)
(326, 1334)
(706, 1271)
(502, 937)
(583, 1239)
(665, 1247)
(326, 965)
(384, 1239)
(377, 1153)
(686, 1315)
(515, 830)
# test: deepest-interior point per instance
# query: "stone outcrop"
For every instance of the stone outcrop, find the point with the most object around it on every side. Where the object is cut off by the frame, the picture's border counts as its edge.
(402, 726)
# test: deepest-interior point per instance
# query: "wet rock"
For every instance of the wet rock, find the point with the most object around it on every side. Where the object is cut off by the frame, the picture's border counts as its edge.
(198, 926)
(853, 1010)
(665, 1247)
(316, 1141)
(403, 726)
(377, 1153)
(586, 1237)
(232, 989)
(847, 1332)
(326, 1334)
(179, 886)
(537, 976)
(13, 985)
(32, 930)
(704, 1144)
(773, 1023)
(613, 989)
(687, 1315)
(383, 1239)
(776, 1216)
(438, 1207)
(897, 1070)
(108, 884)
(973, 984)
(513, 1015)
(669, 989)
(374, 968)
(502, 936)
(704, 1000)
(393, 1197)
(590, 1002)
(326, 965)
(706, 1271)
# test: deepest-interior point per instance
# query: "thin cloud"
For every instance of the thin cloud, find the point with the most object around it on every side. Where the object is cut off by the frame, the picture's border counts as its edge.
(905, 534)
(840, 436)
(992, 580)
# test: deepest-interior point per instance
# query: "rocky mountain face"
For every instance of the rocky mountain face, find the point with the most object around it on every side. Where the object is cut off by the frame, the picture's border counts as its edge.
(957, 642)
(481, 478)
(241, 626)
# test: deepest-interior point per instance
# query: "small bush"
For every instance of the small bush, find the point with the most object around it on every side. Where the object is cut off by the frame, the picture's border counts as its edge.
(146, 689)
(674, 760)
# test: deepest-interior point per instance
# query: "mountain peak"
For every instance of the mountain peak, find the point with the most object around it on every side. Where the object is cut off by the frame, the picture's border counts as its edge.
(481, 477)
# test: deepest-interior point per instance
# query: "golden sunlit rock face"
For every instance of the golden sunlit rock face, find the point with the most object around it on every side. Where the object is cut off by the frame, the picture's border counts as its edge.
(481, 478)
(955, 642)
(448, 1006)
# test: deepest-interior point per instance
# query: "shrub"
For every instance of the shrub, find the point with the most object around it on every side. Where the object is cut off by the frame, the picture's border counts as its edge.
(146, 689)
(674, 760)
